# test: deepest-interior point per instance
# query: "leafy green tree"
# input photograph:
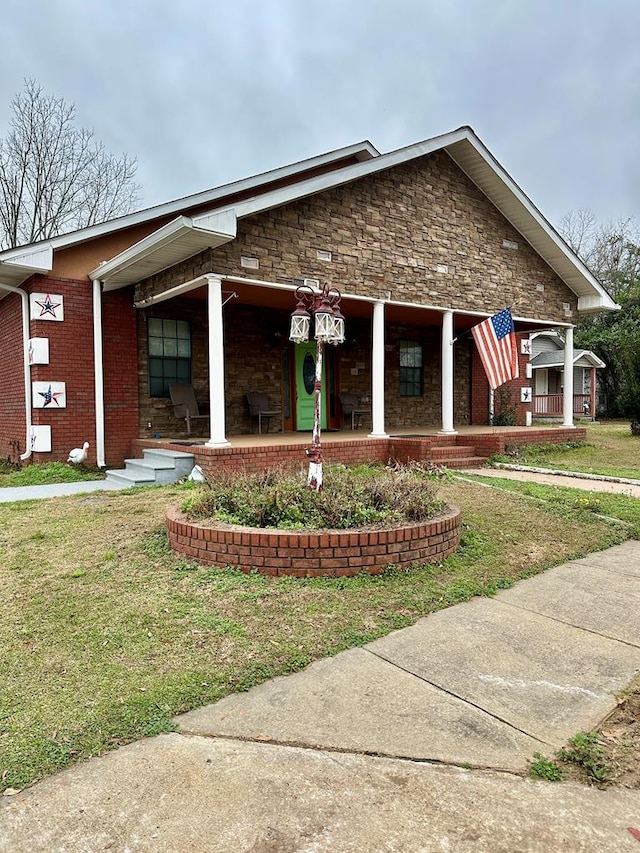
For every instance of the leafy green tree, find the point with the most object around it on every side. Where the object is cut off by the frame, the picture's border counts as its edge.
(612, 252)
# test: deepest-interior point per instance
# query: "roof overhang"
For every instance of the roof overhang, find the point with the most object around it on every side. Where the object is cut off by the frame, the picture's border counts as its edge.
(464, 147)
(25, 263)
(169, 245)
(581, 358)
(476, 161)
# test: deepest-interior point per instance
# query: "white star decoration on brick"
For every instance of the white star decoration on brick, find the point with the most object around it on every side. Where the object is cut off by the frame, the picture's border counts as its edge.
(46, 306)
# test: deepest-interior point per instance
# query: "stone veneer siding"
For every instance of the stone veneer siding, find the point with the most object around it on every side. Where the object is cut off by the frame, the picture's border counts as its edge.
(334, 553)
(387, 232)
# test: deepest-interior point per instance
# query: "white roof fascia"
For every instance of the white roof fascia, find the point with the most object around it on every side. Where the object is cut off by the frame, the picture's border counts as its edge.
(588, 355)
(551, 333)
(588, 304)
(18, 269)
(362, 151)
(163, 238)
(38, 259)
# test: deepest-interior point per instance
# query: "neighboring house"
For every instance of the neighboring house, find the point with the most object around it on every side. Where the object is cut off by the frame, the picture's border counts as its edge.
(423, 243)
(548, 364)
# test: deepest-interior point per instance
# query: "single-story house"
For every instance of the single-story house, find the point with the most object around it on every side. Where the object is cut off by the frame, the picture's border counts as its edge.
(548, 366)
(423, 243)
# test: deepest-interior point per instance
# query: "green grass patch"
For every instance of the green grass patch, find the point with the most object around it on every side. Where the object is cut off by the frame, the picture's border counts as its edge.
(584, 750)
(50, 472)
(545, 768)
(610, 450)
(106, 634)
(571, 503)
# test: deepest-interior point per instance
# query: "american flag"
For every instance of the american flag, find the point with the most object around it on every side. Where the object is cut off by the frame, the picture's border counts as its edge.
(496, 341)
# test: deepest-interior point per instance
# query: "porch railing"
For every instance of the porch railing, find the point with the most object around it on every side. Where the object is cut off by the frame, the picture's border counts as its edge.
(551, 404)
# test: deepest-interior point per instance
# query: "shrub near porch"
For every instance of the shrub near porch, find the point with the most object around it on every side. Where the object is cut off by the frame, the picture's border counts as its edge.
(364, 520)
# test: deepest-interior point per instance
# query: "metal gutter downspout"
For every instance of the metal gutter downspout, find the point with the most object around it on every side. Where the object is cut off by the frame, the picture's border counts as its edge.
(98, 371)
(25, 355)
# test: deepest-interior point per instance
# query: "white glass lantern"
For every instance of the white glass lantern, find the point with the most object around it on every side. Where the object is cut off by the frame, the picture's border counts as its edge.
(300, 324)
(325, 327)
(338, 326)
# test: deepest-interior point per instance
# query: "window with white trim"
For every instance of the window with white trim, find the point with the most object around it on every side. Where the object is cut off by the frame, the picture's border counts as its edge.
(410, 369)
(169, 354)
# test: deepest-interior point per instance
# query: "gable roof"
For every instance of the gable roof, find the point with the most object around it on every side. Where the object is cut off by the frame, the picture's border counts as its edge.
(581, 358)
(186, 235)
(17, 264)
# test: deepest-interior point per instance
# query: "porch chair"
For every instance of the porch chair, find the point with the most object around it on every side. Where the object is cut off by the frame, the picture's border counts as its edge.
(259, 408)
(351, 408)
(185, 404)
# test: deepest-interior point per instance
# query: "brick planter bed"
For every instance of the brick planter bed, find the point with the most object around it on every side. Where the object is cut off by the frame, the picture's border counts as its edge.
(334, 553)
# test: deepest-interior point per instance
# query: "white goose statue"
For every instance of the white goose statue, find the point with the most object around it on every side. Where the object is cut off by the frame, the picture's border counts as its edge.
(78, 454)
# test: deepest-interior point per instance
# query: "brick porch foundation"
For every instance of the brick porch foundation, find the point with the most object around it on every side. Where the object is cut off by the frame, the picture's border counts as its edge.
(423, 448)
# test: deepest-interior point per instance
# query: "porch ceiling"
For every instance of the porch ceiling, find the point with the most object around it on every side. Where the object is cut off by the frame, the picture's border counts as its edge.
(410, 315)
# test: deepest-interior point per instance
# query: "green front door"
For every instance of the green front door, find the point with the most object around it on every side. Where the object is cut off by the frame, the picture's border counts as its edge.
(305, 379)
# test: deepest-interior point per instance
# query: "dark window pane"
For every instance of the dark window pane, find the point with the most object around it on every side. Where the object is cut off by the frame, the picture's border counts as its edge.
(170, 354)
(155, 367)
(410, 384)
(156, 387)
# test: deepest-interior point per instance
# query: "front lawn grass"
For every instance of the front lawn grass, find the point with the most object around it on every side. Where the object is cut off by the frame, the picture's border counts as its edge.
(610, 449)
(49, 472)
(106, 634)
(566, 501)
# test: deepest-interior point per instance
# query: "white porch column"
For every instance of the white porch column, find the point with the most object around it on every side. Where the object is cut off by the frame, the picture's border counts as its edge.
(377, 373)
(592, 390)
(447, 374)
(216, 363)
(567, 399)
(98, 372)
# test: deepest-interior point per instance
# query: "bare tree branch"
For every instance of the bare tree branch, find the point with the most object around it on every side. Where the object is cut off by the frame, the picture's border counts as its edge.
(54, 176)
(611, 250)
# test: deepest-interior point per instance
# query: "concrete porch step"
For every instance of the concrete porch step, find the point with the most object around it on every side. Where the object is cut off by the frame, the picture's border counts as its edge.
(126, 478)
(157, 468)
(452, 451)
(461, 462)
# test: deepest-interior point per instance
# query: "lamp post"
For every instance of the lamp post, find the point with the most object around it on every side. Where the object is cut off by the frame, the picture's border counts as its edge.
(324, 307)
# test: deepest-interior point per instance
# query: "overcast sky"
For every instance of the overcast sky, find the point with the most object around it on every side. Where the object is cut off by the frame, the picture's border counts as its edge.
(204, 92)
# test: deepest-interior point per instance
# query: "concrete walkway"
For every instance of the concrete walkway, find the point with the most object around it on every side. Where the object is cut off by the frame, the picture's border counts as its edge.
(570, 479)
(416, 742)
(11, 494)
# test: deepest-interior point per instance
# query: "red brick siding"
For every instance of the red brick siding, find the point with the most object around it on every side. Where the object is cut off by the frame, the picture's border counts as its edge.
(12, 402)
(120, 362)
(214, 460)
(335, 553)
(70, 361)
(509, 392)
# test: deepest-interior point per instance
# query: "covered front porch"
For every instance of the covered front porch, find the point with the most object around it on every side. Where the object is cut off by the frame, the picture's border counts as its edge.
(406, 364)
